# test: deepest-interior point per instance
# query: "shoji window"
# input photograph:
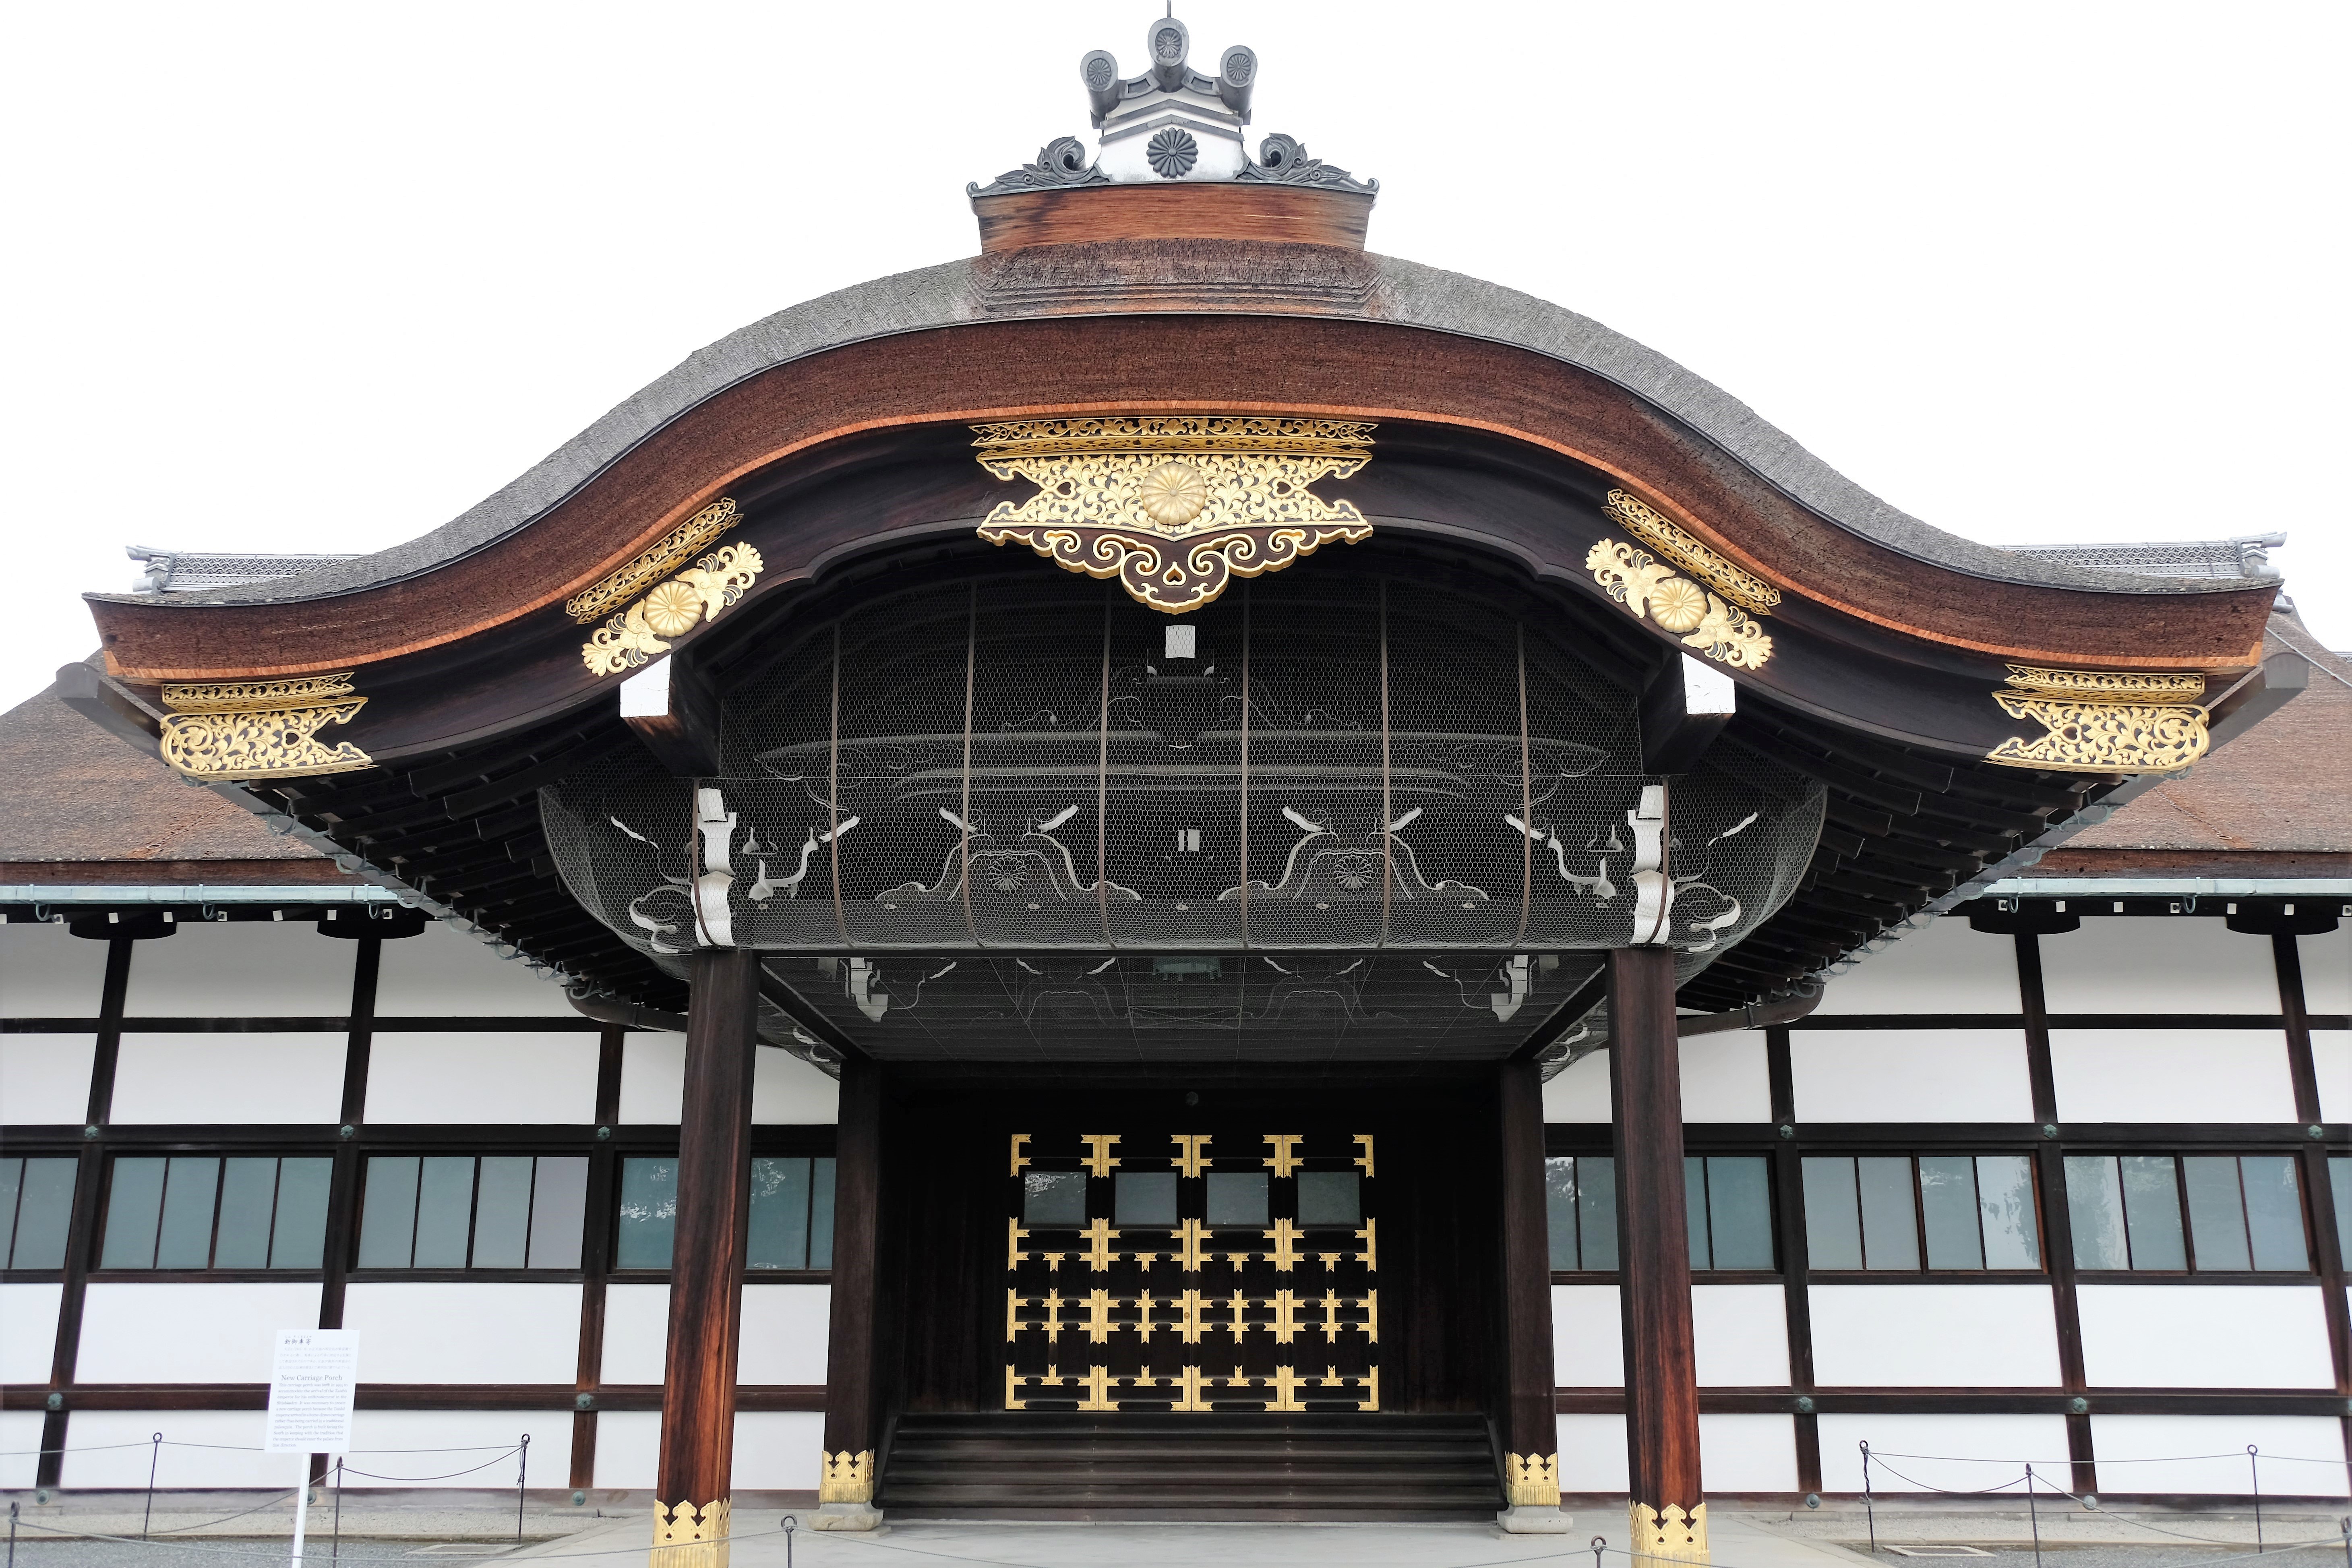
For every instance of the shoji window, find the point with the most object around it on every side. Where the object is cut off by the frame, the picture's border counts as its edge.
(1729, 1199)
(467, 1211)
(35, 1206)
(2186, 1213)
(1904, 1213)
(206, 1211)
(791, 1214)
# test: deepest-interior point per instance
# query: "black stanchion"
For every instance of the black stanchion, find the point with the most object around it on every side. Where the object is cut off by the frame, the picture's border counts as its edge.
(12, 1537)
(2033, 1516)
(335, 1546)
(2255, 1463)
(791, 1523)
(521, 1471)
(1869, 1510)
(154, 1452)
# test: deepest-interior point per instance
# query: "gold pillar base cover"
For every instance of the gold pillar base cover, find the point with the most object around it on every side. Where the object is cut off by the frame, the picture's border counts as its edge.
(847, 1477)
(686, 1536)
(1671, 1534)
(1531, 1480)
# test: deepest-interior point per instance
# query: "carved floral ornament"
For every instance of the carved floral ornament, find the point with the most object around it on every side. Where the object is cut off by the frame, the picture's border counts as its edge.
(221, 731)
(1717, 624)
(1175, 507)
(2104, 721)
(638, 634)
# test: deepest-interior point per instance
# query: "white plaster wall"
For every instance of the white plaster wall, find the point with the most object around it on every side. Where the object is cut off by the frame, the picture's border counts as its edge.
(2187, 963)
(788, 1091)
(398, 1447)
(1725, 1078)
(109, 1448)
(2327, 970)
(1748, 1453)
(1934, 1336)
(1588, 1345)
(44, 1077)
(1906, 1075)
(2171, 1075)
(1961, 1453)
(628, 1447)
(47, 972)
(1742, 1335)
(636, 1337)
(1580, 1092)
(2290, 1444)
(205, 1331)
(499, 1077)
(1944, 968)
(441, 972)
(653, 1079)
(785, 1330)
(20, 1437)
(464, 1332)
(176, 1078)
(2331, 1059)
(2204, 1336)
(1592, 1455)
(778, 1450)
(28, 1331)
(262, 968)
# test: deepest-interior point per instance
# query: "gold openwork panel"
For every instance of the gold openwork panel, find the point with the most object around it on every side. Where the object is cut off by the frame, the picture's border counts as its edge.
(1191, 1270)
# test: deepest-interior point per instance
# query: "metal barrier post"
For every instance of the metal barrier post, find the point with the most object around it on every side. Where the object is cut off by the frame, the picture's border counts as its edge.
(12, 1537)
(791, 1524)
(522, 1470)
(2033, 1516)
(1869, 1512)
(302, 1512)
(154, 1452)
(2255, 1463)
(335, 1548)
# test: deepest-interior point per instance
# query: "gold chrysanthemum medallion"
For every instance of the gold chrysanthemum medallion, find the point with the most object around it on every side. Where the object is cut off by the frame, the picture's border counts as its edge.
(1172, 494)
(1677, 606)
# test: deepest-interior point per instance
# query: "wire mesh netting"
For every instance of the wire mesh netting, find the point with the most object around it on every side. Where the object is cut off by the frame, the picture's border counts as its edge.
(1337, 762)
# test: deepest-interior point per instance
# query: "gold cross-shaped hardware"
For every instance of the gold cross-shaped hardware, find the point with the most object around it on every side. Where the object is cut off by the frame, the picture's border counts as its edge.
(1190, 1235)
(1332, 1314)
(1285, 1252)
(1053, 1324)
(1143, 1324)
(1371, 1252)
(1286, 1317)
(1013, 1400)
(1011, 1315)
(1099, 1317)
(1097, 1396)
(1234, 1304)
(1098, 1160)
(1190, 1326)
(1371, 1400)
(1286, 1158)
(1189, 1160)
(1019, 1152)
(1285, 1391)
(1100, 1254)
(1188, 1395)
(1364, 1140)
(1371, 1323)
(1013, 1256)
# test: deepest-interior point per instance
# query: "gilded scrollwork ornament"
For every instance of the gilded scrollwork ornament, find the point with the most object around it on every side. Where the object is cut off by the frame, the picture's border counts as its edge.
(1704, 621)
(640, 634)
(1678, 544)
(1174, 507)
(653, 563)
(222, 732)
(2103, 721)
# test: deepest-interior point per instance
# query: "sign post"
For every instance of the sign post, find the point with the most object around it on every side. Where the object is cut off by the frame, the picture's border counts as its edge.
(313, 1378)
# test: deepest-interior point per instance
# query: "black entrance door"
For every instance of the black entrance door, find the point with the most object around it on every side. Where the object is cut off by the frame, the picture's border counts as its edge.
(1184, 1270)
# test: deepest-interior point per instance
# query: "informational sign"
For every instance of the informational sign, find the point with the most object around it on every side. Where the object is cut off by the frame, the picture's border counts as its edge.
(313, 1380)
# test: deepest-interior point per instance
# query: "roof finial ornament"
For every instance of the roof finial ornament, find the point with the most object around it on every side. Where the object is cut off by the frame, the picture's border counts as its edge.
(1171, 122)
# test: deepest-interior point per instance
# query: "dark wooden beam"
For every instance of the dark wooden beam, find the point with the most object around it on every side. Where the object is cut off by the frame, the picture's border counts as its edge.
(1683, 709)
(674, 711)
(1666, 1506)
(1529, 1428)
(853, 1405)
(692, 1489)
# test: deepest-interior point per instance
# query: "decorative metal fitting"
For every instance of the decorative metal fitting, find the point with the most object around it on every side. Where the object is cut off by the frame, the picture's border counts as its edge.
(2100, 721)
(1804, 1405)
(583, 1402)
(1787, 1130)
(347, 1130)
(2314, 1130)
(91, 1130)
(54, 1402)
(578, 1499)
(602, 1133)
(2079, 1405)
(1813, 1500)
(222, 731)
(2050, 1130)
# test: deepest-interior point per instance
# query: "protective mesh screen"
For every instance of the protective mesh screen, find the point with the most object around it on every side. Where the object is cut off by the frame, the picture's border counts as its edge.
(1324, 761)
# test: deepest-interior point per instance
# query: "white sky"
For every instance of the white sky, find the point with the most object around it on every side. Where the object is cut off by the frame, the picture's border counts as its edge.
(314, 277)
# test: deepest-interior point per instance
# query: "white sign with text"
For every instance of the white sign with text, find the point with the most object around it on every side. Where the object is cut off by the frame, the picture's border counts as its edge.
(313, 1377)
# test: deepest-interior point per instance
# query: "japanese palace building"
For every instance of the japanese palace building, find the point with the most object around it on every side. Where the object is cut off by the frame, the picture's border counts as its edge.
(1182, 872)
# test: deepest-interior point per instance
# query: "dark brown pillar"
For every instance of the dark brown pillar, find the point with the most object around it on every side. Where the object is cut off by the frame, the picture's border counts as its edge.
(1530, 1420)
(853, 1405)
(1667, 1518)
(691, 1492)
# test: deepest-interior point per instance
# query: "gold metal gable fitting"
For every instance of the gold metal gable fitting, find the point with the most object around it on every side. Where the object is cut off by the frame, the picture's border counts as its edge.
(221, 731)
(665, 556)
(2104, 721)
(1174, 506)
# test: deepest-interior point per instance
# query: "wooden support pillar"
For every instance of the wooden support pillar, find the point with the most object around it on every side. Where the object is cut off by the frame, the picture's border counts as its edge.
(1531, 1404)
(1667, 1511)
(852, 1402)
(692, 1497)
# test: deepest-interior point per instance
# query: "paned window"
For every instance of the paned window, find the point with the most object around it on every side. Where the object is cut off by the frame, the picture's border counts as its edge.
(467, 1211)
(2186, 1213)
(1580, 1206)
(1728, 1199)
(1972, 1212)
(791, 1214)
(1239, 1197)
(2339, 1177)
(36, 1207)
(207, 1211)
